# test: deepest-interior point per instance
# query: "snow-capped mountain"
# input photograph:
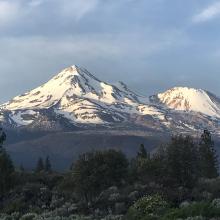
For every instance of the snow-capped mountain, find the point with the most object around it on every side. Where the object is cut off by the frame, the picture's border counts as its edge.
(189, 99)
(75, 98)
(78, 97)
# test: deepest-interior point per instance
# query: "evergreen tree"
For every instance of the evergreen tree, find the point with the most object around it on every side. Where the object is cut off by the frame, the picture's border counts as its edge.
(142, 164)
(2, 137)
(6, 166)
(158, 167)
(208, 157)
(181, 161)
(47, 165)
(6, 171)
(96, 171)
(142, 153)
(40, 165)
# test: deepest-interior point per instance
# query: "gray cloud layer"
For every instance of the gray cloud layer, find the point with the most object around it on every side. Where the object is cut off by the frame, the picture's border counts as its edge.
(151, 45)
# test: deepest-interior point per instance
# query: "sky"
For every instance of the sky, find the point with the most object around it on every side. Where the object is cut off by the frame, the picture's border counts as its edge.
(151, 45)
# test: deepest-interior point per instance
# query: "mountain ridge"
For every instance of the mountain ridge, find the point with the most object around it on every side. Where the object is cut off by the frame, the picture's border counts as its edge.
(76, 98)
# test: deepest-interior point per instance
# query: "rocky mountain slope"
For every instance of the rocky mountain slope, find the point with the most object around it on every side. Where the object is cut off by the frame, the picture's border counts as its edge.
(76, 99)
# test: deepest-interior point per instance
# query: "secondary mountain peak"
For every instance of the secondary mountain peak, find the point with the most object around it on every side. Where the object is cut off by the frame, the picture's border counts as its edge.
(189, 99)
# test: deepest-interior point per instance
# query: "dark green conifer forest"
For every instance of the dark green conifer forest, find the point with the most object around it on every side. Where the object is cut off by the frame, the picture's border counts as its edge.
(179, 180)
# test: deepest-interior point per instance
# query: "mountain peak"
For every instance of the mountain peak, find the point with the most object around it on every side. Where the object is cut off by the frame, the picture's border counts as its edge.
(72, 80)
(69, 87)
(189, 99)
(72, 71)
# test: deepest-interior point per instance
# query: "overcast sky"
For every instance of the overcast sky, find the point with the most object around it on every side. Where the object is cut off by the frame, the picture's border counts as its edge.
(151, 45)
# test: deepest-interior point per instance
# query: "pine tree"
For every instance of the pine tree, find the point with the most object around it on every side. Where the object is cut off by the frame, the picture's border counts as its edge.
(6, 166)
(40, 165)
(143, 164)
(208, 156)
(93, 172)
(6, 170)
(47, 165)
(142, 153)
(2, 137)
(182, 162)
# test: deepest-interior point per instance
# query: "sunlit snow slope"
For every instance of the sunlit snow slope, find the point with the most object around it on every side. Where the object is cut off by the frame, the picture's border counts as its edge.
(189, 99)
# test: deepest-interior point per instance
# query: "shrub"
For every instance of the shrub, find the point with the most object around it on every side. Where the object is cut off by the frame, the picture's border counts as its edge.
(29, 216)
(207, 189)
(148, 207)
(204, 209)
(17, 205)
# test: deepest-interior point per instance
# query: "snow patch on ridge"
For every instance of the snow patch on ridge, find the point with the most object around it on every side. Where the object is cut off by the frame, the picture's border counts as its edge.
(22, 118)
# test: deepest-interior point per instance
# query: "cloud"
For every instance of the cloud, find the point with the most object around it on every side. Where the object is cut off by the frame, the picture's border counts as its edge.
(8, 11)
(77, 8)
(113, 39)
(35, 3)
(26, 62)
(22, 11)
(209, 13)
(14, 11)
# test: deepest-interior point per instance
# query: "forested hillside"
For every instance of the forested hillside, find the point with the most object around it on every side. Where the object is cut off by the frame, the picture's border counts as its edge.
(178, 181)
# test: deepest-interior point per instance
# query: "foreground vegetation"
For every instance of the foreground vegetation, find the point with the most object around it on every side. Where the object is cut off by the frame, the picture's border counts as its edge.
(179, 181)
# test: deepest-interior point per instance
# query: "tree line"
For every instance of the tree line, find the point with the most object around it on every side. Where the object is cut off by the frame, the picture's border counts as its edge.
(179, 163)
